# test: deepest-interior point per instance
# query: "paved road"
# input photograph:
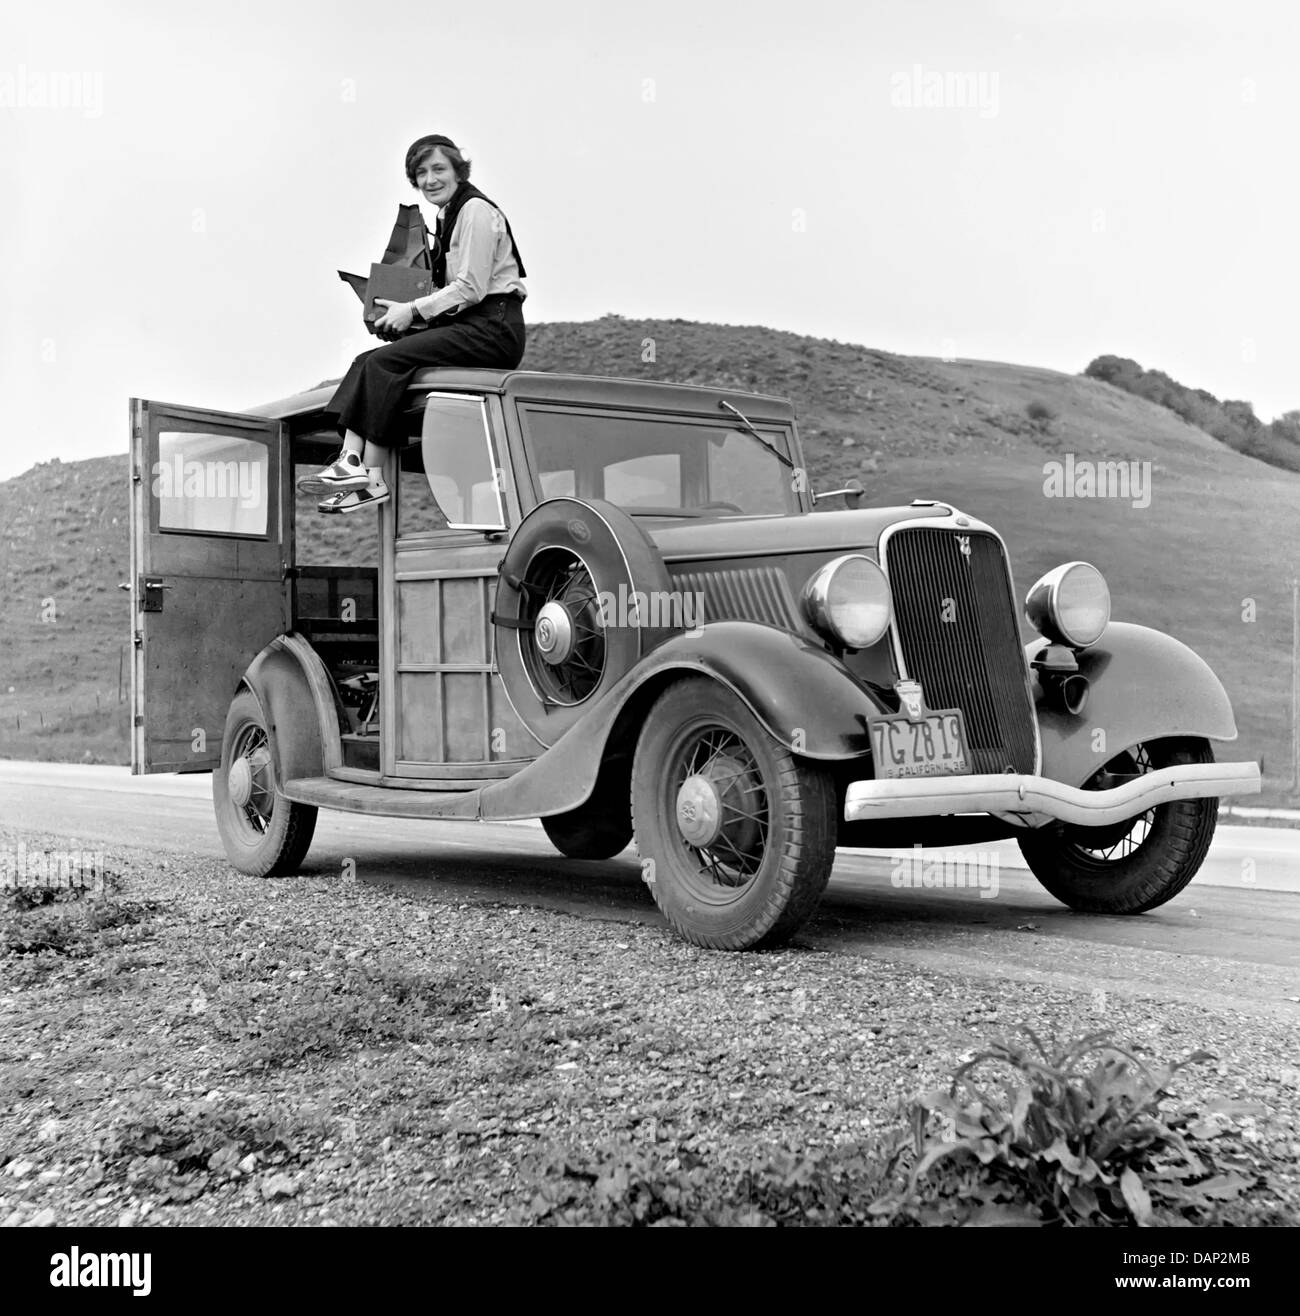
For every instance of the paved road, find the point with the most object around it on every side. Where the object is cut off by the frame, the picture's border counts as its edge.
(1231, 940)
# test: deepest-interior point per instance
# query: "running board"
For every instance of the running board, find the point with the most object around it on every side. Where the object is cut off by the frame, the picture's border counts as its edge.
(383, 801)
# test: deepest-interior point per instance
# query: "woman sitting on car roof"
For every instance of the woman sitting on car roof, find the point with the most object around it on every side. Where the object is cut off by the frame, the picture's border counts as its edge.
(473, 318)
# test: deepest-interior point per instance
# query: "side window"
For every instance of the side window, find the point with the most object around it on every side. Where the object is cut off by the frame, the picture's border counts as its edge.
(559, 484)
(651, 481)
(742, 476)
(211, 484)
(655, 463)
(459, 466)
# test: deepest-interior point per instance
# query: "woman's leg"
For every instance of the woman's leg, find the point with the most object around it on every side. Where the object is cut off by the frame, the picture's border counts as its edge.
(371, 396)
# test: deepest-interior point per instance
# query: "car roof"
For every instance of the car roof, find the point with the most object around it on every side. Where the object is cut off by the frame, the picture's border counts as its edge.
(544, 386)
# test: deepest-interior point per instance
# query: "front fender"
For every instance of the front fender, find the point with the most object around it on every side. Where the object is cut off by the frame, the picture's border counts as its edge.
(1144, 685)
(291, 685)
(801, 694)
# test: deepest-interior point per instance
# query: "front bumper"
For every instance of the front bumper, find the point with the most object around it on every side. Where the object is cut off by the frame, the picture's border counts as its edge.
(1036, 800)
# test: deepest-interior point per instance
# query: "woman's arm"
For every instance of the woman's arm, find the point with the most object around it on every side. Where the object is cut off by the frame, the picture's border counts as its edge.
(469, 260)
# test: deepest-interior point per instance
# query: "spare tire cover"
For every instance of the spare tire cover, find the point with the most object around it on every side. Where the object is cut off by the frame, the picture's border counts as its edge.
(582, 594)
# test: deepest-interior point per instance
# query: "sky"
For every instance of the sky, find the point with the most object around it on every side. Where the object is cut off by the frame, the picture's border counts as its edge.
(1036, 181)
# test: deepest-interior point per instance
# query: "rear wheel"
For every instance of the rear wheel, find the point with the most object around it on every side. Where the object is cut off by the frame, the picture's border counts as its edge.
(736, 835)
(264, 834)
(1131, 866)
(598, 829)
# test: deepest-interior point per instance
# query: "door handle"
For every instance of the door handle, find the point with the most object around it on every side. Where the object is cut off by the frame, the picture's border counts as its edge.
(150, 599)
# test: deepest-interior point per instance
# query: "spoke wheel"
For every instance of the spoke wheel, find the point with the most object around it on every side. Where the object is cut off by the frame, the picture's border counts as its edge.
(1137, 864)
(600, 827)
(568, 622)
(565, 660)
(736, 835)
(263, 833)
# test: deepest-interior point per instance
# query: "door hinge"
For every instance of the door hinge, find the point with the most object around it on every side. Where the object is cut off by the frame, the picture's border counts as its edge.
(138, 639)
(139, 719)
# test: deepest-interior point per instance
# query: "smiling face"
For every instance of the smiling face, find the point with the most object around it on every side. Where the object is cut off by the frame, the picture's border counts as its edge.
(435, 176)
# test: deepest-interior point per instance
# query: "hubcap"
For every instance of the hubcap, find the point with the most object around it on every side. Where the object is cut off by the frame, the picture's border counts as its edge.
(699, 810)
(249, 781)
(553, 633)
(721, 810)
(240, 782)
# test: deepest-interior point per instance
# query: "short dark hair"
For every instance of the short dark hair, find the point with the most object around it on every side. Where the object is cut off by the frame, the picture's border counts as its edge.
(422, 148)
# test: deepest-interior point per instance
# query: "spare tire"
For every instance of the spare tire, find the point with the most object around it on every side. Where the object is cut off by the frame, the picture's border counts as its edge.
(582, 595)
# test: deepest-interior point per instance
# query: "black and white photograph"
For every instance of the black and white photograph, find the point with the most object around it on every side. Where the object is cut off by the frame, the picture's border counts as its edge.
(649, 614)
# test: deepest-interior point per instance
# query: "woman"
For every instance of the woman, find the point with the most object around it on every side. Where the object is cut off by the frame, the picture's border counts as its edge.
(473, 318)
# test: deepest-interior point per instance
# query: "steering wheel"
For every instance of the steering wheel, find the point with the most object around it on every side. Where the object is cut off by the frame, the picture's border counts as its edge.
(729, 507)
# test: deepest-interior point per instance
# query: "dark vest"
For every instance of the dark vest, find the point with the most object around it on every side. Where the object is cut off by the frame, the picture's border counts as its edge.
(447, 225)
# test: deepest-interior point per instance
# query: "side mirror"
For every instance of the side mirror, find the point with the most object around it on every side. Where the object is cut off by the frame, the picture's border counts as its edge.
(853, 493)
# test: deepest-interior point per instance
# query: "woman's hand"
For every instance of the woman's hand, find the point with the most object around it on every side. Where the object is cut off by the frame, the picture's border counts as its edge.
(397, 317)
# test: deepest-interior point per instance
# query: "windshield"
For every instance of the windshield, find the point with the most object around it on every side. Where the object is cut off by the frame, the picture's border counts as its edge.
(660, 465)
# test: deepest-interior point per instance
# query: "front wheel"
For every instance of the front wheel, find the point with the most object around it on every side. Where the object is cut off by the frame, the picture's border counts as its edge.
(264, 834)
(1131, 866)
(736, 835)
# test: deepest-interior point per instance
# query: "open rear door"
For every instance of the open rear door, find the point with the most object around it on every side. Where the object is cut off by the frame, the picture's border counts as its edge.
(210, 526)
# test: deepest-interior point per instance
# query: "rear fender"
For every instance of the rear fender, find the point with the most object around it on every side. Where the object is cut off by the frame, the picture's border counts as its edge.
(801, 694)
(294, 691)
(1144, 685)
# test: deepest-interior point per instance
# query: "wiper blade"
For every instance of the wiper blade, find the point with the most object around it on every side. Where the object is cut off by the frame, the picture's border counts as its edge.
(753, 433)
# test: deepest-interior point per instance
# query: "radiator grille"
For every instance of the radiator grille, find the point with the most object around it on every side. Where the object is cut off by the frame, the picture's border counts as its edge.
(956, 621)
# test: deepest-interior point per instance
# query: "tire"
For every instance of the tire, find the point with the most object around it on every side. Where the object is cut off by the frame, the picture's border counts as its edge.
(1136, 865)
(266, 835)
(571, 558)
(757, 876)
(589, 832)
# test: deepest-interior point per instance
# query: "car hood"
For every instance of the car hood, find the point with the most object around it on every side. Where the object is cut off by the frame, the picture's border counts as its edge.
(763, 536)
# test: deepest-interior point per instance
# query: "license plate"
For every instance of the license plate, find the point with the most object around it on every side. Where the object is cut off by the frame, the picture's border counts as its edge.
(930, 746)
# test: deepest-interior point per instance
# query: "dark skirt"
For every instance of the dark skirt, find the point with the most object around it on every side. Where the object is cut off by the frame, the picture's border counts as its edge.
(371, 396)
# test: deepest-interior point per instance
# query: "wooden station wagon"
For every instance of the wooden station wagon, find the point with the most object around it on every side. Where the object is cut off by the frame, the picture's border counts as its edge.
(618, 606)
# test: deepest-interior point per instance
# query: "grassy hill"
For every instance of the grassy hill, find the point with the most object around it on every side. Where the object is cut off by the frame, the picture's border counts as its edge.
(1220, 531)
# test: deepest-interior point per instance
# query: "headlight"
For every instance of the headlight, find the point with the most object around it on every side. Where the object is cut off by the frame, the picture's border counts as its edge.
(1070, 605)
(848, 601)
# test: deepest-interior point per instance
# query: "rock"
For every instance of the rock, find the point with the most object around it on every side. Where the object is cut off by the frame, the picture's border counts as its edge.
(20, 1169)
(248, 1164)
(42, 1219)
(278, 1185)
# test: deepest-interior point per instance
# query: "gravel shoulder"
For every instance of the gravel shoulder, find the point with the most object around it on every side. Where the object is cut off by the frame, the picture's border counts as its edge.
(209, 1048)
